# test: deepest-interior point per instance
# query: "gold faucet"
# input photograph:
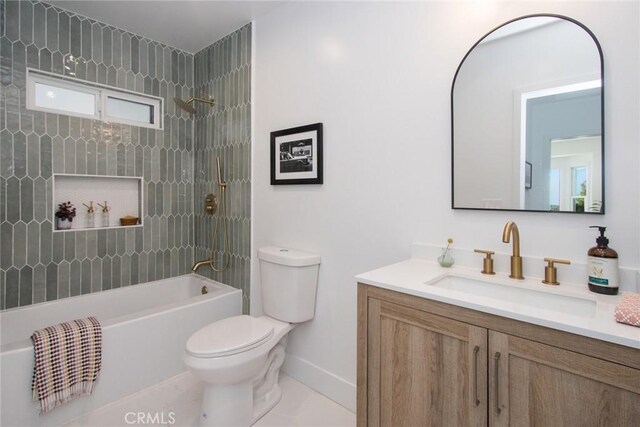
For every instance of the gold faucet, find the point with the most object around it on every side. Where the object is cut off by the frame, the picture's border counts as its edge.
(516, 260)
(199, 264)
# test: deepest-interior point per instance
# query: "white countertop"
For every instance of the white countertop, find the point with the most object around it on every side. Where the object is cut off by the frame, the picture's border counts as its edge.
(415, 276)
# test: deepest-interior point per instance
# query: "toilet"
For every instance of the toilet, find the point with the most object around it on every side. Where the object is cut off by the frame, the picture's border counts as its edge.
(239, 358)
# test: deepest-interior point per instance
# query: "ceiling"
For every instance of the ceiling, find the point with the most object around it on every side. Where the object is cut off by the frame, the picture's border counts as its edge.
(185, 24)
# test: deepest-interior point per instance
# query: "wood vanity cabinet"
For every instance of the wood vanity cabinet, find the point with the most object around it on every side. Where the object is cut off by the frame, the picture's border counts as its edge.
(426, 363)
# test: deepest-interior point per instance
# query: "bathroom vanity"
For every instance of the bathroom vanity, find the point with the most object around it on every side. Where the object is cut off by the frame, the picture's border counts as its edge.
(450, 347)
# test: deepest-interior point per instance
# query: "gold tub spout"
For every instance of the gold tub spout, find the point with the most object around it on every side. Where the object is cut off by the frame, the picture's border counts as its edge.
(511, 228)
(199, 264)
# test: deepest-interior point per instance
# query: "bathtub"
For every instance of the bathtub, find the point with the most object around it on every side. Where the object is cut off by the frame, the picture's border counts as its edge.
(145, 328)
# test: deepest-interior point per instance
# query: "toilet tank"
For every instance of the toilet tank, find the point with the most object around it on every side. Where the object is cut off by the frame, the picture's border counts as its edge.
(289, 280)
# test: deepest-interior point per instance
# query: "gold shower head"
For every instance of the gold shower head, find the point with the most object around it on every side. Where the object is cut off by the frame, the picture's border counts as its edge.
(186, 105)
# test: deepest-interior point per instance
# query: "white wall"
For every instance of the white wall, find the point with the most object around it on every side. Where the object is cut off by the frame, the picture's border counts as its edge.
(378, 76)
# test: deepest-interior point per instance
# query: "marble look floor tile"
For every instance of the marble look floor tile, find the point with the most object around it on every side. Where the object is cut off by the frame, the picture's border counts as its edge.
(307, 407)
(178, 399)
(272, 419)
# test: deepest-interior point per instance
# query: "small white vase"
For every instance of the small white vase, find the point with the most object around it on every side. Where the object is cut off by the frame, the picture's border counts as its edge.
(63, 223)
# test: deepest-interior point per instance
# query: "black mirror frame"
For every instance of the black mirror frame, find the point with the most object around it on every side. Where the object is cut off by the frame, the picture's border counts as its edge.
(602, 125)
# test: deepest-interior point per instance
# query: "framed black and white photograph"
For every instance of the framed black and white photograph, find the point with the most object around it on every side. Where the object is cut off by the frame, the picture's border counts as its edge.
(527, 175)
(296, 155)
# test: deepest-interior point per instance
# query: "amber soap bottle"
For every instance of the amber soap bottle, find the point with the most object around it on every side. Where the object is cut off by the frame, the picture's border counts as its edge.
(602, 266)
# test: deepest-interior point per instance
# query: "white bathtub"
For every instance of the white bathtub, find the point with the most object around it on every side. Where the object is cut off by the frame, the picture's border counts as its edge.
(145, 328)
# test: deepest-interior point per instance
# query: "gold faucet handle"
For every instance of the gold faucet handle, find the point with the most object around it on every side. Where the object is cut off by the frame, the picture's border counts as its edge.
(487, 262)
(552, 261)
(484, 251)
(551, 272)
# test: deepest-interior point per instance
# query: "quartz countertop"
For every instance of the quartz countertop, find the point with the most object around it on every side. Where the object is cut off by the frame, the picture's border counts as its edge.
(415, 277)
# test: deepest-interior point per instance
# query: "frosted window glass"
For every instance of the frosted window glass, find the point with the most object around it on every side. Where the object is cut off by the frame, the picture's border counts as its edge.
(67, 100)
(129, 110)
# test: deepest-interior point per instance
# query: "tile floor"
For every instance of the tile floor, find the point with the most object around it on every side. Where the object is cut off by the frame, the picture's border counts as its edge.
(302, 406)
(177, 402)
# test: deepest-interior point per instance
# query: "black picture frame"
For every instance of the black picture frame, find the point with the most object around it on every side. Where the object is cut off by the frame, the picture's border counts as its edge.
(296, 155)
(528, 175)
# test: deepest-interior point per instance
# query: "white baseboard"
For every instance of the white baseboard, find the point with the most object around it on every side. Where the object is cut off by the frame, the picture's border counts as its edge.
(324, 382)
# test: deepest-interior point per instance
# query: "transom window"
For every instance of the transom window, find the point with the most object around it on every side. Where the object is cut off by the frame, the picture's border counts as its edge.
(54, 94)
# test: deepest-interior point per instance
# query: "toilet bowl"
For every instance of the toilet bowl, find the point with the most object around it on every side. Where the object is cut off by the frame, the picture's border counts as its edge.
(232, 357)
(239, 358)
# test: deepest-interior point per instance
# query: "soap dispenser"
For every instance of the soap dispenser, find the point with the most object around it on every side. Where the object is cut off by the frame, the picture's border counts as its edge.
(90, 217)
(602, 266)
(105, 214)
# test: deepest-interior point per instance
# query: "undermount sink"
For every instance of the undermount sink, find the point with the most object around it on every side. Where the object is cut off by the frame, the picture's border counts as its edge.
(538, 299)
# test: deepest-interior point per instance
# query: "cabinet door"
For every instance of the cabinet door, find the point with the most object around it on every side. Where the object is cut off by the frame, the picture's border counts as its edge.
(424, 370)
(533, 384)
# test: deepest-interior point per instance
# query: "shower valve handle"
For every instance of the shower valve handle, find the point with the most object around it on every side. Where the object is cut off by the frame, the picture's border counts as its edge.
(210, 204)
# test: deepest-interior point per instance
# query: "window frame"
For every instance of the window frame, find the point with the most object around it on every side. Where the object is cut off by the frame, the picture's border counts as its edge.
(156, 104)
(587, 196)
(36, 78)
(101, 92)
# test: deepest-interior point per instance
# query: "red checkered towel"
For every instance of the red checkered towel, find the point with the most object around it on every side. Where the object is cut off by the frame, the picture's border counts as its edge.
(67, 361)
(628, 310)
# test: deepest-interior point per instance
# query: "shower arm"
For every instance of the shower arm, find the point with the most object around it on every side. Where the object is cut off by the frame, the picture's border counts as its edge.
(209, 101)
(186, 105)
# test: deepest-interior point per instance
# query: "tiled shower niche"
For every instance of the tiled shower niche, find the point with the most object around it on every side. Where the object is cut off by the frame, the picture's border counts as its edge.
(37, 264)
(122, 195)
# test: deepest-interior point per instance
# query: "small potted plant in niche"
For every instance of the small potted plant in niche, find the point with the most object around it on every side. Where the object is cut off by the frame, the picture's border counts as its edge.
(64, 215)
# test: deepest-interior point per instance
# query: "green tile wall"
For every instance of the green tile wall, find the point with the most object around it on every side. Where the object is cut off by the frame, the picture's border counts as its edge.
(38, 265)
(223, 71)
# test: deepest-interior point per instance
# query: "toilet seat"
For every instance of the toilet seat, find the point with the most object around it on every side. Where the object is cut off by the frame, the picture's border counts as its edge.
(229, 336)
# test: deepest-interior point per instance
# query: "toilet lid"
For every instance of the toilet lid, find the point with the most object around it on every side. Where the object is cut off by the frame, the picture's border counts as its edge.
(229, 336)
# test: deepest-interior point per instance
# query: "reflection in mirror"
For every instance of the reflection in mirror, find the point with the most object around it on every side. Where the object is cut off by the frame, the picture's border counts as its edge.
(527, 119)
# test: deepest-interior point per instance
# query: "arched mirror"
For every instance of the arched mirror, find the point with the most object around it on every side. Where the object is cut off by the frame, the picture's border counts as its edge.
(528, 119)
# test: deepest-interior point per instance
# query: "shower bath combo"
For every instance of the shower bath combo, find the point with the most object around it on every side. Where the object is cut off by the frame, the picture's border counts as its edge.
(211, 203)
